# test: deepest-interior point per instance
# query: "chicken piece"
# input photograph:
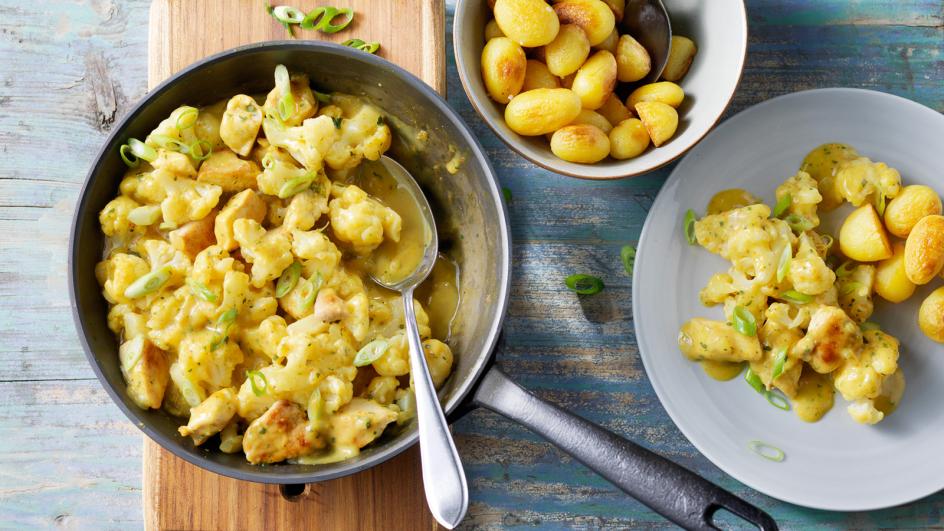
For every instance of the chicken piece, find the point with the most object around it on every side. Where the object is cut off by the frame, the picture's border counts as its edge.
(279, 434)
(145, 369)
(360, 422)
(831, 338)
(704, 339)
(244, 205)
(194, 236)
(240, 124)
(329, 307)
(211, 416)
(229, 172)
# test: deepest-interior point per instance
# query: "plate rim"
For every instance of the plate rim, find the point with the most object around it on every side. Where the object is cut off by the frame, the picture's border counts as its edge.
(675, 415)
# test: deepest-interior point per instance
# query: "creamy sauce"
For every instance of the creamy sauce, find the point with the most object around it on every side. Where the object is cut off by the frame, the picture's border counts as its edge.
(730, 199)
(822, 164)
(439, 294)
(393, 261)
(721, 370)
(815, 395)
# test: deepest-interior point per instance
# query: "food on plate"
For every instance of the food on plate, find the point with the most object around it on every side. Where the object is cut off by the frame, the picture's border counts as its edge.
(574, 47)
(796, 308)
(236, 271)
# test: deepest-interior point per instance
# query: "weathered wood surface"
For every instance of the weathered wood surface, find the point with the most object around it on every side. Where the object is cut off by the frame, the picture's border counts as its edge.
(69, 458)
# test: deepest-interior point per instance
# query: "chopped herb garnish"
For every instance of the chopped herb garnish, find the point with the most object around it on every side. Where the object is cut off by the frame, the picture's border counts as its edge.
(744, 321)
(783, 203)
(796, 297)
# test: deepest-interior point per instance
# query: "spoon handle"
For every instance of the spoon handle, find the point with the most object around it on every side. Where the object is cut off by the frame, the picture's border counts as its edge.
(447, 492)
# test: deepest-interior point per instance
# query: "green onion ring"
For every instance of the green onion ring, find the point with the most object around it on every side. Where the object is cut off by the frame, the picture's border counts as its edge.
(315, 284)
(689, 226)
(869, 325)
(784, 266)
(754, 381)
(315, 407)
(628, 257)
(198, 152)
(851, 287)
(141, 150)
(288, 14)
(777, 400)
(187, 117)
(744, 321)
(226, 319)
(794, 296)
(257, 390)
(322, 97)
(286, 107)
(309, 22)
(124, 151)
(288, 279)
(369, 47)
(767, 451)
(780, 359)
(798, 223)
(295, 185)
(584, 284)
(371, 352)
(326, 25)
(148, 283)
(782, 205)
(845, 269)
(199, 289)
(880, 202)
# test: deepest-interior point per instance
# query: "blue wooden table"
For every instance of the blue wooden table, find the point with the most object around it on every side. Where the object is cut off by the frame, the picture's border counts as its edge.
(69, 458)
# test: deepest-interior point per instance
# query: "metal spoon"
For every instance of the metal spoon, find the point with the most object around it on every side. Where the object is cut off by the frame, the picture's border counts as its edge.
(648, 22)
(447, 492)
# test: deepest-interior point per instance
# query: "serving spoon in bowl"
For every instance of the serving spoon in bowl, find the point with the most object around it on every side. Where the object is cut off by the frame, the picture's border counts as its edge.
(447, 492)
(648, 22)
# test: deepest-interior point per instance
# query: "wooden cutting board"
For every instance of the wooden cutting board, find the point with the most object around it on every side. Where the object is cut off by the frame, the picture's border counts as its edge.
(178, 495)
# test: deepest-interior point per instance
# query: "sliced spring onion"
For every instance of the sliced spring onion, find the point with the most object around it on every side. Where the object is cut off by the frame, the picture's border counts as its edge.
(187, 117)
(138, 151)
(262, 386)
(783, 203)
(869, 325)
(311, 19)
(369, 47)
(169, 143)
(798, 223)
(507, 193)
(852, 287)
(288, 14)
(794, 296)
(744, 321)
(295, 185)
(827, 241)
(288, 279)
(783, 267)
(283, 82)
(337, 122)
(845, 269)
(322, 97)
(226, 319)
(767, 451)
(286, 106)
(628, 257)
(584, 284)
(199, 289)
(148, 283)
(287, 25)
(314, 287)
(780, 359)
(201, 150)
(689, 226)
(371, 352)
(777, 400)
(326, 23)
(315, 408)
(145, 215)
(880, 203)
(754, 381)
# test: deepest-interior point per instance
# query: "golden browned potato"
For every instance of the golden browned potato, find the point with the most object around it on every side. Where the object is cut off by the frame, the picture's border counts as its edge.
(503, 68)
(596, 79)
(924, 250)
(628, 139)
(588, 117)
(661, 120)
(911, 204)
(632, 60)
(567, 51)
(609, 43)
(681, 54)
(536, 75)
(931, 315)
(541, 111)
(614, 110)
(527, 22)
(618, 7)
(582, 143)
(664, 91)
(492, 30)
(891, 281)
(593, 16)
(862, 236)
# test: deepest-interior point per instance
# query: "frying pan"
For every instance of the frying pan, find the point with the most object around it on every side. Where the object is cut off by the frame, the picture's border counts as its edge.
(473, 225)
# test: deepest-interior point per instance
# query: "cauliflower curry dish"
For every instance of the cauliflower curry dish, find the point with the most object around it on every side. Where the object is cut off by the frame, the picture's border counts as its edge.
(796, 308)
(236, 271)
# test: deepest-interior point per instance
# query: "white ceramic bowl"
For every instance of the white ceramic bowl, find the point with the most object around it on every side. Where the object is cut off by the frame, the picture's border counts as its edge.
(835, 463)
(718, 27)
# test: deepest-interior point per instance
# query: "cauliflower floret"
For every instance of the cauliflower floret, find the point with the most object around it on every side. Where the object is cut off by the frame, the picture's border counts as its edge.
(117, 273)
(209, 359)
(859, 180)
(364, 134)
(305, 103)
(263, 340)
(863, 411)
(269, 252)
(395, 361)
(182, 199)
(307, 143)
(361, 221)
(386, 313)
(830, 339)
(318, 254)
(122, 319)
(114, 218)
(240, 124)
(719, 287)
(855, 292)
(438, 359)
(778, 339)
(211, 265)
(307, 206)
(168, 128)
(808, 272)
(333, 394)
(277, 174)
(382, 389)
(804, 195)
(160, 254)
(172, 315)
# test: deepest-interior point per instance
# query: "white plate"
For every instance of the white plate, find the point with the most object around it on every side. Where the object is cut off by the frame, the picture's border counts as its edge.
(833, 464)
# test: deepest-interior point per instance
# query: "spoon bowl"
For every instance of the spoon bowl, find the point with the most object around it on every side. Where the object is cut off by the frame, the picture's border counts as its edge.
(648, 22)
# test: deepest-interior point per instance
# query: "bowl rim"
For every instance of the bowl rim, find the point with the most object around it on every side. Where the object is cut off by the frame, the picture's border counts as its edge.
(463, 387)
(511, 143)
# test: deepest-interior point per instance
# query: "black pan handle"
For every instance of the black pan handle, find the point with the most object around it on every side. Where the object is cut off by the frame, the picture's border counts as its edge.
(667, 488)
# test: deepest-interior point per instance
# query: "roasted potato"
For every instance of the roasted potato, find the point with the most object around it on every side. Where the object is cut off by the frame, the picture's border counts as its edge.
(862, 236)
(891, 281)
(503, 68)
(541, 111)
(664, 91)
(528, 22)
(596, 80)
(924, 249)
(492, 30)
(537, 75)
(628, 139)
(661, 120)
(910, 205)
(614, 110)
(567, 51)
(593, 16)
(681, 54)
(588, 117)
(931, 315)
(632, 60)
(581, 143)
(609, 43)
